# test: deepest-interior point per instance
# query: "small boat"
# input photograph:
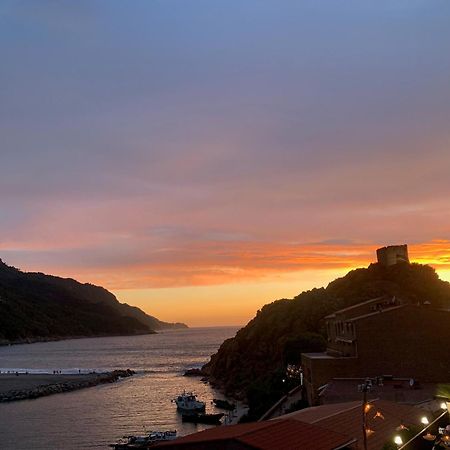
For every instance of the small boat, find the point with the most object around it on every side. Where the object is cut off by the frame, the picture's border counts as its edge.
(224, 404)
(187, 402)
(212, 419)
(144, 442)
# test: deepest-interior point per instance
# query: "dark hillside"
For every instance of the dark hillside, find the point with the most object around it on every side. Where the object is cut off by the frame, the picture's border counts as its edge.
(34, 306)
(253, 363)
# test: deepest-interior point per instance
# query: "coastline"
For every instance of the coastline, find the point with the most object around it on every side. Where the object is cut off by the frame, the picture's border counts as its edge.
(34, 340)
(123, 408)
(24, 386)
(37, 339)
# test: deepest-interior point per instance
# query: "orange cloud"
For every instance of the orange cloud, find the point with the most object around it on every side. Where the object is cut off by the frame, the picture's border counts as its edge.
(218, 263)
(435, 253)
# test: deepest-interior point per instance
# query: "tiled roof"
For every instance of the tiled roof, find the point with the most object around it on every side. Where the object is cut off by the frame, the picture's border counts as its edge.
(315, 413)
(280, 434)
(286, 435)
(358, 305)
(346, 418)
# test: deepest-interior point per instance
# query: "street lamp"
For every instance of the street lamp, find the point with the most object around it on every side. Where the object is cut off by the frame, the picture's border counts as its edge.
(398, 440)
(365, 388)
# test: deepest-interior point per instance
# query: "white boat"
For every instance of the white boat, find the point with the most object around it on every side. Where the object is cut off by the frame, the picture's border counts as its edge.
(163, 435)
(187, 401)
(143, 442)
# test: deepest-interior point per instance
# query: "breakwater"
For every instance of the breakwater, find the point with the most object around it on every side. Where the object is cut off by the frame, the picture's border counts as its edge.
(27, 386)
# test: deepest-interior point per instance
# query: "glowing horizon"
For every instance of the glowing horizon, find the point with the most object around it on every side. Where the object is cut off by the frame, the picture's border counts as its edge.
(215, 156)
(247, 283)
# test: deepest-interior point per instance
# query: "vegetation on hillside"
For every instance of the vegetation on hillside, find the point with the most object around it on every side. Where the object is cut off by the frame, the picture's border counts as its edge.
(34, 306)
(253, 363)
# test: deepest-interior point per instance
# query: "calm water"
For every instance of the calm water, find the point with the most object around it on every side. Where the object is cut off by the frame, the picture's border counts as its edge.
(95, 417)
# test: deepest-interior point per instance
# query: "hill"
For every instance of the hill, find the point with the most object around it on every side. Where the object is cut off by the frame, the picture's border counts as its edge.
(253, 363)
(34, 307)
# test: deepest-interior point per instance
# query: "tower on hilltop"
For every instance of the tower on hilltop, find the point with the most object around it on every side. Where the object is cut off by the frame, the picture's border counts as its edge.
(392, 254)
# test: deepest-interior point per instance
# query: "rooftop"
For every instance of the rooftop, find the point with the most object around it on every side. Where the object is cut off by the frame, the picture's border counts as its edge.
(358, 305)
(395, 389)
(285, 434)
(322, 355)
(346, 418)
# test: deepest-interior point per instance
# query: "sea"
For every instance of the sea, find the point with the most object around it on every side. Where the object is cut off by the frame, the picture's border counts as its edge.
(94, 417)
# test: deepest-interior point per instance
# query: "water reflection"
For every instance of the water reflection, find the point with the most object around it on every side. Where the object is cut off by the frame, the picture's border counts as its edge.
(95, 417)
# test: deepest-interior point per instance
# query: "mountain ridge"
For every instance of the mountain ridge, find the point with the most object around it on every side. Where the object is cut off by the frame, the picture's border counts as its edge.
(37, 307)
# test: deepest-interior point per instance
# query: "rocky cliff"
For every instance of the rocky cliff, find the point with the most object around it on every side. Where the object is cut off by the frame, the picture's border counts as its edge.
(253, 364)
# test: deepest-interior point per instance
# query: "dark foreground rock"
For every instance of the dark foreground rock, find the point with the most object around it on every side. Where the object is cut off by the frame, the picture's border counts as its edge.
(29, 386)
(195, 372)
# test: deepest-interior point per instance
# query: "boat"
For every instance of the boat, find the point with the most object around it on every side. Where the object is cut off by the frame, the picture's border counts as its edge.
(187, 402)
(224, 404)
(212, 419)
(144, 442)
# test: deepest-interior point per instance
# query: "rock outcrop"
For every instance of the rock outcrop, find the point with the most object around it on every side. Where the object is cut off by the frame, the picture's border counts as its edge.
(252, 365)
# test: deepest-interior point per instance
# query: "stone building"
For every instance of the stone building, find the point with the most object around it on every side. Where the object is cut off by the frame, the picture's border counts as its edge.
(392, 254)
(380, 337)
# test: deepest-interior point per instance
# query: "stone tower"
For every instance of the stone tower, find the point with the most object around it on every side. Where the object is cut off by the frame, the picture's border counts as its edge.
(392, 254)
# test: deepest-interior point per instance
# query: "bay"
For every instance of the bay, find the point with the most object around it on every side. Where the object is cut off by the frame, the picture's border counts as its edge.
(94, 417)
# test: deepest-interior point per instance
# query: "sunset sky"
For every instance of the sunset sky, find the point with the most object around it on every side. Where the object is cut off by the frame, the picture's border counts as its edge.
(201, 158)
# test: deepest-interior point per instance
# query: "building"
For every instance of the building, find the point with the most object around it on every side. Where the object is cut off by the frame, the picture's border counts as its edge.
(278, 434)
(382, 336)
(392, 254)
(326, 427)
(383, 420)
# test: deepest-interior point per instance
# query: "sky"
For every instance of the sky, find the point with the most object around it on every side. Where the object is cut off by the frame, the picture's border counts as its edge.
(201, 158)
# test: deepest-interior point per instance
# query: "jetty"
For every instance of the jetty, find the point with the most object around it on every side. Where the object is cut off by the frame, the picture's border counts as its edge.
(23, 386)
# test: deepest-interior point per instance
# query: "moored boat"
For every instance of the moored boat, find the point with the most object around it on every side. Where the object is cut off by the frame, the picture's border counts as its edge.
(144, 442)
(212, 419)
(188, 402)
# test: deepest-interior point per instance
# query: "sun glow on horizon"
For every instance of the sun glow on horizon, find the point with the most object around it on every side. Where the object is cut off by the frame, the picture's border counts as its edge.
(225, 283)
(238, 302)
(227, 304)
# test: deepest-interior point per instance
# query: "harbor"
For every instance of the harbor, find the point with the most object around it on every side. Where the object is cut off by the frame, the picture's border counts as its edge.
(100, 415)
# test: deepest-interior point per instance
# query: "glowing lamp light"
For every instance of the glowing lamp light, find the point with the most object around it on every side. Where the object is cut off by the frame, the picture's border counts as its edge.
(398, 440)
(369, 432)
(429, 437)
(367, 407)
(378, 415)
(424, 420)
(443, 405)
(402, 427)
